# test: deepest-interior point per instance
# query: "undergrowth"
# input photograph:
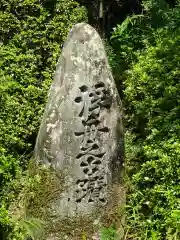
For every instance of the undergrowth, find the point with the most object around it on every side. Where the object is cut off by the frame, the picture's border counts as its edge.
(147, 60)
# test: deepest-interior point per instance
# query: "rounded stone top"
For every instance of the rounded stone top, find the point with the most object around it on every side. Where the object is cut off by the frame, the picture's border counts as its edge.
(83, 32)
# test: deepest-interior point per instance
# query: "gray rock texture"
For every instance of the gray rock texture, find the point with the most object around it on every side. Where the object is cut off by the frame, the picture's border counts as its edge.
(81, 132)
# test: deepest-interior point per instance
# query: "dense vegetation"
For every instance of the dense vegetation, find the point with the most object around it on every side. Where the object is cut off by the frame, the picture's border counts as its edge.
(146, 51)
(145, 58)
(31, 35)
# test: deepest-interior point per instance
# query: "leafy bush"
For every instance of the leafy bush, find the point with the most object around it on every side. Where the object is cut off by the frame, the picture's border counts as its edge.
(152, 93)
(28, 199)
(32, 34)
(137, 32)
(147, 68)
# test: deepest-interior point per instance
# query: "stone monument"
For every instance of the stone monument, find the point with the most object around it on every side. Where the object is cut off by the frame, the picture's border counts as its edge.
(81, 131)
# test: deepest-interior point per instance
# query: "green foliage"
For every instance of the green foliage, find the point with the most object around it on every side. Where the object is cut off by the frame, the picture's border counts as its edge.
(31, 40)
(137, 32)
(8, 168)
(26, 227)
(147, 67)
(32, 34)
(29, 195)
(16, 199)
(152, 103)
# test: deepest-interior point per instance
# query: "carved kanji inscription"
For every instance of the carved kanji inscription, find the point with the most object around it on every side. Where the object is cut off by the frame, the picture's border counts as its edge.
(92, 100)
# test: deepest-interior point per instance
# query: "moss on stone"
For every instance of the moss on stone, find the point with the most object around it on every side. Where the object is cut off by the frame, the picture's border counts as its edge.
(42, 186)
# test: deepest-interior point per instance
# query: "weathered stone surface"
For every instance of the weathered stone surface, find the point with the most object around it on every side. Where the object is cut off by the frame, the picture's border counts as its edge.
(81, 131)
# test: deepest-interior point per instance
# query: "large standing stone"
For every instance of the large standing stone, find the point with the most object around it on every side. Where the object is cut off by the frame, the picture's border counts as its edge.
(81, 132)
